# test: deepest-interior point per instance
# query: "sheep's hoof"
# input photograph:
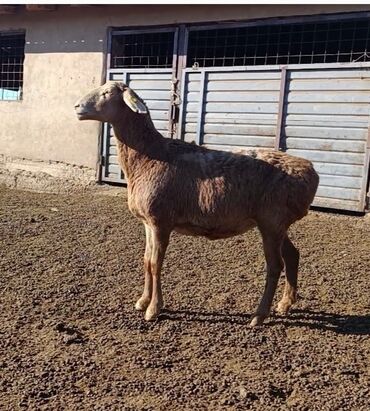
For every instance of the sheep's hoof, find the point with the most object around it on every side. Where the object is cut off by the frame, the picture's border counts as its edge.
(257, 320)
(142, 304)
(283, 307)
(152, 313)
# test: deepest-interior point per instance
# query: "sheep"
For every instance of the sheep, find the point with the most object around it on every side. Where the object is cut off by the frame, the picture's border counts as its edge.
(177, 186)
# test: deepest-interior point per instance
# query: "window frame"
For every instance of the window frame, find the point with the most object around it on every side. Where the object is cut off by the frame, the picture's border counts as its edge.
(16, 32)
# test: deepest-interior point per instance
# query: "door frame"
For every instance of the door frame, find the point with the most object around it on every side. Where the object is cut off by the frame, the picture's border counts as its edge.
(103, 138)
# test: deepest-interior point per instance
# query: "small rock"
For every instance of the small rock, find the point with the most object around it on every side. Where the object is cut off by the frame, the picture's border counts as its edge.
(301, 373)
(243, 393)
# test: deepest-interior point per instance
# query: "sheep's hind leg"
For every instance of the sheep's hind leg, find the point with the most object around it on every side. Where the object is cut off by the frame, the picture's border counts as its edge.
(272, 247)
(291, 259)
(143, 302)
(160, 243)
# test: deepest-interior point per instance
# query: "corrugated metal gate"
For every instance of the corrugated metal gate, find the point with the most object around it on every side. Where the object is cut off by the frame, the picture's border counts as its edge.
(230, 108)
(317, 111)
(327, 122)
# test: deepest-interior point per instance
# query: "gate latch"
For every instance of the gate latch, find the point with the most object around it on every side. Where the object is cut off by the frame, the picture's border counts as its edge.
(175, 96)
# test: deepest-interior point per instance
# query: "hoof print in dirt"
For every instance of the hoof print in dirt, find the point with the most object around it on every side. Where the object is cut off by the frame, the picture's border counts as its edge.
(70, 334)
(39, 218)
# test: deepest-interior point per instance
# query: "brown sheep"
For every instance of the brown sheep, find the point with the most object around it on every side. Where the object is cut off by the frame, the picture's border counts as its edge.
(176, 186)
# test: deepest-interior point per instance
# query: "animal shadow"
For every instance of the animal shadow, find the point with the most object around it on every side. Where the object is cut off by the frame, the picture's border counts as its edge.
(319, 320)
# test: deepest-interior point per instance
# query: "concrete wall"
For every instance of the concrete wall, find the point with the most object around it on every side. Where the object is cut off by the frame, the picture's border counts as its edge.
(65, 59)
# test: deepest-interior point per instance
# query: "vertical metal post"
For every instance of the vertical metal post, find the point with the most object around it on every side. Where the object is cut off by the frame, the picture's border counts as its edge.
(198, 137)
(280, 118)
(182, 50)
(366, 176)
(125, 79)
(108, 54)
(175, 55)
(181, 77)
(105, 145)
(103, 140)
(184, 79)
(174, 80)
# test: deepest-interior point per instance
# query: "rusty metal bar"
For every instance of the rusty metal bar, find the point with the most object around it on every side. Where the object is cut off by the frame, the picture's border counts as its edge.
(280, 122)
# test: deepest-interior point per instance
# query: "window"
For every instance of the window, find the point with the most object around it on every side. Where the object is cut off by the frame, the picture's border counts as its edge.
(142, 50)
(317, 42)
(11, 65)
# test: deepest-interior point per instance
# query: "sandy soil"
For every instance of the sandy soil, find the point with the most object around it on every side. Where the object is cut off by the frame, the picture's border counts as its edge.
(70, 339)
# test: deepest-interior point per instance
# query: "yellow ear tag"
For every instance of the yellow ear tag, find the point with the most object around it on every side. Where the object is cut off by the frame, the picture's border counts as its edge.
(134, 102)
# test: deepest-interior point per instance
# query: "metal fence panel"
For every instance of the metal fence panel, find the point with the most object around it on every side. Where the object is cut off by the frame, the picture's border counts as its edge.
(323, 116)
(327, 121)
(230, 109)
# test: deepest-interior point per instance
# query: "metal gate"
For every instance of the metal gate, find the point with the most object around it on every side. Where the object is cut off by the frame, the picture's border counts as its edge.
(317, 112)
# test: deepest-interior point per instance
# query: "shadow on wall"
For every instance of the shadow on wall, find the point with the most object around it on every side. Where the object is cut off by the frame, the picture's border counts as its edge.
(66, 30)
(82, 28)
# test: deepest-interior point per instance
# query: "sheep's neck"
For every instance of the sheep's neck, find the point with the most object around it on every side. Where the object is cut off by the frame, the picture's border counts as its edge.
(138, 143)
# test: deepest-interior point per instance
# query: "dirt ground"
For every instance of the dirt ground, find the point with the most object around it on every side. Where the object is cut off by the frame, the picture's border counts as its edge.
(70, 339)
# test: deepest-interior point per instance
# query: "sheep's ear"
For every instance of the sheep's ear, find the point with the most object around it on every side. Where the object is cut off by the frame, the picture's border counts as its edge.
(134, 101)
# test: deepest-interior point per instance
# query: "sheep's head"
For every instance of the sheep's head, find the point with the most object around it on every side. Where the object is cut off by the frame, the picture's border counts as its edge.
(106, 103)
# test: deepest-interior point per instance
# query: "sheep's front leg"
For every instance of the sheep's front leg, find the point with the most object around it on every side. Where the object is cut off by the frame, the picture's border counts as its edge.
(143, 302)
(291, 259)
(272, 248)
(160, 242)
